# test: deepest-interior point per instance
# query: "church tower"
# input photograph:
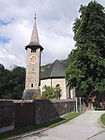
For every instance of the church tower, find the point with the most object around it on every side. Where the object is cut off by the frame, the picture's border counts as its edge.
(33, 63)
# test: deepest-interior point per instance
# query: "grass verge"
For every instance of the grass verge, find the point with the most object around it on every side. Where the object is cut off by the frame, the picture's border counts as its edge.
(103, 119)
(13, 133)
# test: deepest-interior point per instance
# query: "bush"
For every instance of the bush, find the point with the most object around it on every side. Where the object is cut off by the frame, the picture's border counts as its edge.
(51, 92)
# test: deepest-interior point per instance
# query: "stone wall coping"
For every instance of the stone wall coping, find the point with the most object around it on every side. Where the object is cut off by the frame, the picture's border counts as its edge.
(15, 101)
(54, 101)
(61, 100)
(37, 100)
(6, 103)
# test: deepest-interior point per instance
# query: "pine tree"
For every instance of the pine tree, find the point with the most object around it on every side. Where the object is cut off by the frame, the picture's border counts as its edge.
(86, 63)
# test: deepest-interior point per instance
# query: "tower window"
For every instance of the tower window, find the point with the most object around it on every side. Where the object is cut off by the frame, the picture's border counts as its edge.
(32, 85)
(33, 50)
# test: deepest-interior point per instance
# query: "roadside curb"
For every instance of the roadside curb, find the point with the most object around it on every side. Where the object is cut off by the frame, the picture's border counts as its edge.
(95, 135)
(39, 130)
(29, 134)
(102, 125)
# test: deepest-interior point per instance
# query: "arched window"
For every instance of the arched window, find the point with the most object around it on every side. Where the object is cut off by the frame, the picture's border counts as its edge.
(32, 85)
(58, 86)
(58, 91)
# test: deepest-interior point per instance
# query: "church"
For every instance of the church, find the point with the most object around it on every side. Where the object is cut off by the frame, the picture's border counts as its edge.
(53, 75)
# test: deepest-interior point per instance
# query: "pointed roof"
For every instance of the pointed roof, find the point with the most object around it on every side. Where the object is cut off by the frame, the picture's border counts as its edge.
(56, 70)
(34, 41)
(34, 35)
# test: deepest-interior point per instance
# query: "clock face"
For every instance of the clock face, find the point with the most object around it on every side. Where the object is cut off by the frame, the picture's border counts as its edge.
(33, 59)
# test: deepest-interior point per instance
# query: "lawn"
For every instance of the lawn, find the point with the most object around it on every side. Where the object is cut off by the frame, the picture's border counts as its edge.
(103, 119)
(19, 131)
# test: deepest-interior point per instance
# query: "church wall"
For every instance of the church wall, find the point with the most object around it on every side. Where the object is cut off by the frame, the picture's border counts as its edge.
(62, 84)
(46, 82)
(54, 82)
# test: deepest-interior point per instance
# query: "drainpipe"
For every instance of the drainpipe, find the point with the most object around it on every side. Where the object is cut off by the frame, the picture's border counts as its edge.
(76, 106)
(51, 82)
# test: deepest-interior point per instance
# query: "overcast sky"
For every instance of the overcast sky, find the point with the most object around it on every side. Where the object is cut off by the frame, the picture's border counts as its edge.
(55, 20)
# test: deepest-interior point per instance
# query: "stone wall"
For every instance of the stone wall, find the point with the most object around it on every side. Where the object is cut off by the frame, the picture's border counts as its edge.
(24, 114)
(15, 114)
(32, 70)
(47, 110)
(7, 115)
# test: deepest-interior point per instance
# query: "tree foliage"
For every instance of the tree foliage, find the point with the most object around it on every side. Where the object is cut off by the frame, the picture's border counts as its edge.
(86, 63)
(11, 83)
(51, 92)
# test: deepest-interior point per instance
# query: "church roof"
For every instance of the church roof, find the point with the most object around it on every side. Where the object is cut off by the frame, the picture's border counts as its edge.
(34, 35)
(34, 41)
(56, 70)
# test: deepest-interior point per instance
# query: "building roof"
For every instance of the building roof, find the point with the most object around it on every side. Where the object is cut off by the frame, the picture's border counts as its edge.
(34, 41)
(56, 70)
(34, 35)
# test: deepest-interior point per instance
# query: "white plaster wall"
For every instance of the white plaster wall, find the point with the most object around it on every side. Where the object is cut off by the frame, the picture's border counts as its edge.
(73, 94)
(54, 82)
(46, 82)
(62, 84)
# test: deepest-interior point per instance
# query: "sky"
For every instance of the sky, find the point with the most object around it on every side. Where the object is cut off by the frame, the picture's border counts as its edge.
(55, 20)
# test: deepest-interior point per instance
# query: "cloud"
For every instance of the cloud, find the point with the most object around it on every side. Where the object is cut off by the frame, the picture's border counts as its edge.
(55, 19)
(57, 40)
(7, 59)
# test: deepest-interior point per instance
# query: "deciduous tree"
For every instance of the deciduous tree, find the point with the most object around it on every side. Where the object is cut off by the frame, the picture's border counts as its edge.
(86, 63)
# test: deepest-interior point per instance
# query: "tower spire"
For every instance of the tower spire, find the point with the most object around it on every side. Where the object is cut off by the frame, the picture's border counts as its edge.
(34, 41)
(34, 35)
(35, 16)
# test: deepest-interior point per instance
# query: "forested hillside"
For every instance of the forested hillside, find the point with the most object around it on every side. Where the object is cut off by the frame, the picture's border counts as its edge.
(11, 82)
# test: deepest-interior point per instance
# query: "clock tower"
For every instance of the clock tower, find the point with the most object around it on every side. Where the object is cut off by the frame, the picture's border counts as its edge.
(33, 62)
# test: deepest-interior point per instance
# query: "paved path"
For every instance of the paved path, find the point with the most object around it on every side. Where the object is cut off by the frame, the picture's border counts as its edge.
(83, 127)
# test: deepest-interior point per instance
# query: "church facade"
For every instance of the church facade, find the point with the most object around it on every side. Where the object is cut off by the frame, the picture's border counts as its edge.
(52, 76)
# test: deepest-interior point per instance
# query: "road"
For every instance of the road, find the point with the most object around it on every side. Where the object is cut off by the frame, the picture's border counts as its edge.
(84, 127)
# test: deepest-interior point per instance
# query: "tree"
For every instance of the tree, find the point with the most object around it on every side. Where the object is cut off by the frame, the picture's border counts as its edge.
(4, 73)
(48, 92)
(16, 82)
(86, 63)
(12, 82)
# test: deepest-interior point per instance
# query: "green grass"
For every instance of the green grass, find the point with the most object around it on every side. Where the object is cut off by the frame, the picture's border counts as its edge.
(103, 119)
(16, 132)
(100, 109)
(64, 119)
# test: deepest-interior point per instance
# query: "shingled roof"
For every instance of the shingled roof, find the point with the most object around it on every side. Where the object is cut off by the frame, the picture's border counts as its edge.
(34, 41)
(56, 70)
